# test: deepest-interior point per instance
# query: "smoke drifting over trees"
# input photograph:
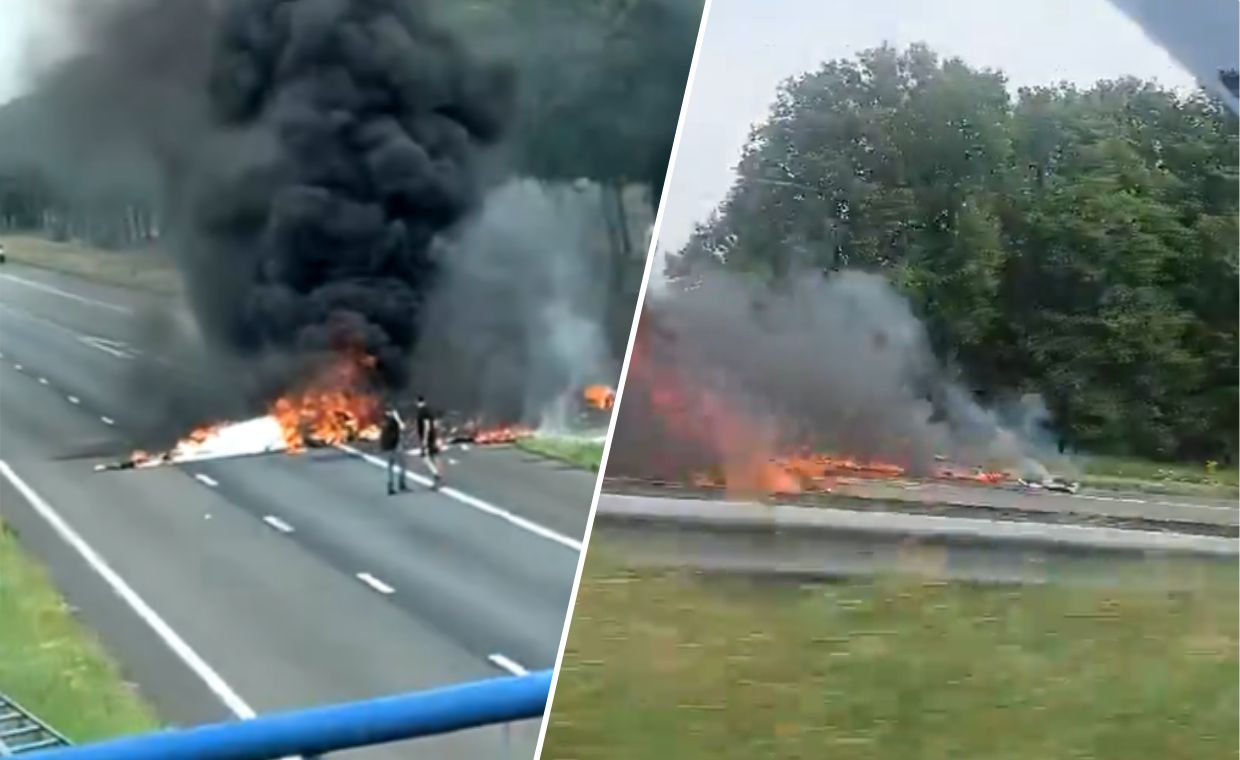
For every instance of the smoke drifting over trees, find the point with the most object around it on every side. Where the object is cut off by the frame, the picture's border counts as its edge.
(1079, 244)
(836, 364)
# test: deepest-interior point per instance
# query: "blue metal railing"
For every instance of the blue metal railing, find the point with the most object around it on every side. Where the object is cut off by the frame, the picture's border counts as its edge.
(319, 730)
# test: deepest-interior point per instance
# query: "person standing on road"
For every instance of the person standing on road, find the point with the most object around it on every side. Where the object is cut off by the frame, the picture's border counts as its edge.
(391, 441)
(428, 434)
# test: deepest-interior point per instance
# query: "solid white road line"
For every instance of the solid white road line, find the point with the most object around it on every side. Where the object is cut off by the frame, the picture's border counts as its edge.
(375, 583)
(65, 294)
(507, 664)
(74, 400)
(206, 480)
(278, 524)
(476, 503)
(191, 658)
(108, 420)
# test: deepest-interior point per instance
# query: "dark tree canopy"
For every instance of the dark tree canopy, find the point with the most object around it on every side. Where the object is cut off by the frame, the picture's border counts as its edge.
(601, 82)
(1078, 243)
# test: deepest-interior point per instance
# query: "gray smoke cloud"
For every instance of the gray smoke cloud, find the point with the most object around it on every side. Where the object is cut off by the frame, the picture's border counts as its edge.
(515, 327)
(838, 364)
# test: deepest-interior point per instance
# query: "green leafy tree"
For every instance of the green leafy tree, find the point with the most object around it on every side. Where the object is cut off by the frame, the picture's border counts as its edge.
(1077, 243)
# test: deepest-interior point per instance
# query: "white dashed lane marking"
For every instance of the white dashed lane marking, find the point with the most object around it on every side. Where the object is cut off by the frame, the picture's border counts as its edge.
(42, 381)
(206, 480)
(375, 583)
(74, 400)
(507, 664)
(107, 420)
(278, 524)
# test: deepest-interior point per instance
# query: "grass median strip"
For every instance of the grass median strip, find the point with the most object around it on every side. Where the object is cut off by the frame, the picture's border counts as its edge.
(584, 454)
(51, 664)
(663, 664)
(149, 271)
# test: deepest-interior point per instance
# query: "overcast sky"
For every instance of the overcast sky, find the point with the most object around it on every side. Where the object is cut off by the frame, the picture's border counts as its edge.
(750, 47)
(20, 22)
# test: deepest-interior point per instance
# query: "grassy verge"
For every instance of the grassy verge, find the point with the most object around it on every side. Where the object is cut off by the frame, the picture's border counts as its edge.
(663, 665)
(147, 271)
(51, 665)
(584, 454)
(1159, 477)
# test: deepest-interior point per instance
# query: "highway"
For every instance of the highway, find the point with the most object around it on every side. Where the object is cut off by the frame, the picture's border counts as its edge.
(1194, 514)
(791, 542)
(246, 585)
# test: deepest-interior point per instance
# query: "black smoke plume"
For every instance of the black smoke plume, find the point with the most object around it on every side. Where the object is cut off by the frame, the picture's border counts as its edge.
(307, 155)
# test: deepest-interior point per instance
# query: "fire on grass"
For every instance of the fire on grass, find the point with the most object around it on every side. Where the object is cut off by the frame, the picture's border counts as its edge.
(752, 453)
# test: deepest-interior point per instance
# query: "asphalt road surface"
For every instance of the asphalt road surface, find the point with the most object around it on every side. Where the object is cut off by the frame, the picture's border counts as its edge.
(271, 582)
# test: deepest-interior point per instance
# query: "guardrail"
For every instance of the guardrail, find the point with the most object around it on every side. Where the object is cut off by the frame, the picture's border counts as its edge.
(22, 733)
(807, 543)
(319, 730)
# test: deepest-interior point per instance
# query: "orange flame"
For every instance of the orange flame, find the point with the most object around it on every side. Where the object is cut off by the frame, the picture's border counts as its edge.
(754, 458)
(600, 396)
(332, 408)
(502, 434)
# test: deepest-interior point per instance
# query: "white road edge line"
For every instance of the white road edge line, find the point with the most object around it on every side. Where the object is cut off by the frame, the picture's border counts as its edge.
(74, 400)
(206, 480)
(375, 583)
(191, 658)
(476, 503)
(66, 294)
(107, 420)
(507, 664)
(278, 524)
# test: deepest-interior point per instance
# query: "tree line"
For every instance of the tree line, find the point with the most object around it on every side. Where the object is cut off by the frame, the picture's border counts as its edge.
(1079, 243)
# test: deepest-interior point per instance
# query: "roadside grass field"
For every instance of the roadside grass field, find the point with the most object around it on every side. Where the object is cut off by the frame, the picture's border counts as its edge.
(663, 664)
(1140, 474)
(584, 454)
(52, 665)
(146, 271)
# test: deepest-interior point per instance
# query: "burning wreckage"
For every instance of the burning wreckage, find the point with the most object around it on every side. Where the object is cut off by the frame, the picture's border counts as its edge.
(331, 413)
(700, 414)
(316, 155)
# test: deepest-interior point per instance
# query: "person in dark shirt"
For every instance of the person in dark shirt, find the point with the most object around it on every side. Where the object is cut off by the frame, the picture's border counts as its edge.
(391, 440)
(428, 434)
